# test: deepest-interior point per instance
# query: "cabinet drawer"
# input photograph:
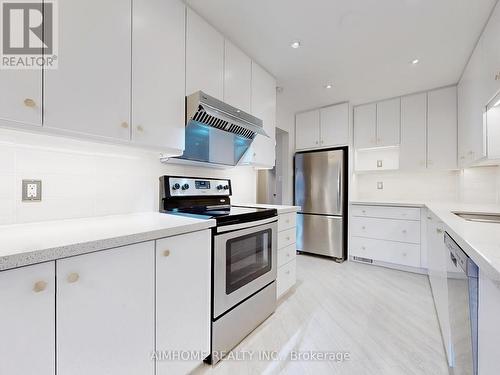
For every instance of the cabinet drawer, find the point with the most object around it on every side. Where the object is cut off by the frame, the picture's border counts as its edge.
(386, 251)
(287, 221)
(286, 238)
(386, 212)
(286, 278)
(286, 254)
(386, 229)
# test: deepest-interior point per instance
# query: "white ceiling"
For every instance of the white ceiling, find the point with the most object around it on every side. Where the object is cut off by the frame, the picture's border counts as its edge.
(363, 46)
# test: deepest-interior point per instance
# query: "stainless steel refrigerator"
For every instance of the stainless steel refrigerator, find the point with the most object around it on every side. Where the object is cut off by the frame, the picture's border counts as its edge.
(320, 189)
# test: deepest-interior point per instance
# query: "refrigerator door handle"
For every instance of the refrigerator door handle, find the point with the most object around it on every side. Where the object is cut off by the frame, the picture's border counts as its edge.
(339, 191)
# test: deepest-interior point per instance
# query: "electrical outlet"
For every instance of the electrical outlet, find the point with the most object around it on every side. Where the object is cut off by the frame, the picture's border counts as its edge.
(32, 190)
(380, 163)
(380, 185)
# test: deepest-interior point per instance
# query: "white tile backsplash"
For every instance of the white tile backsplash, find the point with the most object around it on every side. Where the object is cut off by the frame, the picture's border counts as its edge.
(81, 179)
(471, 185)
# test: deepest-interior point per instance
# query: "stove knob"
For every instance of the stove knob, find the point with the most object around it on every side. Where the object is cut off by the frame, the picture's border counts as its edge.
(176, 187)
(220, 187)
(185, 186)
(226, 187)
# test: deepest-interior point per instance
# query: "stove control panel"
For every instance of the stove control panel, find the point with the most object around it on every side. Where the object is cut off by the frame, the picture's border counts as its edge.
(189, 187)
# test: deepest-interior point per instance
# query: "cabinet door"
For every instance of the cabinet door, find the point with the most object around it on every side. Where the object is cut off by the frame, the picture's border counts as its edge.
(334, 125)
(158, 75)
(27, 342)
(89, 93)
(442, 128)
(264, 107)
(204, 57)
(365, 126)
(388, 122)
(413, 132)
(183, 280)
(307, 130)
(21, 96)
(237, 77)
(489, 43)
(105, 312)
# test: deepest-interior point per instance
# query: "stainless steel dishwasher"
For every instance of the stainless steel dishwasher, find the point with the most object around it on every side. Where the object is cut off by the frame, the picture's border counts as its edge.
(462, 309)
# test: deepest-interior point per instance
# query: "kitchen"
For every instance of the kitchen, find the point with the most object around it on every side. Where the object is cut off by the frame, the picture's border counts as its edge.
(212, 186)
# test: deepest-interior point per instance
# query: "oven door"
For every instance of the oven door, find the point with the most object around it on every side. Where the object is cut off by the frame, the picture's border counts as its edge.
(245, 261)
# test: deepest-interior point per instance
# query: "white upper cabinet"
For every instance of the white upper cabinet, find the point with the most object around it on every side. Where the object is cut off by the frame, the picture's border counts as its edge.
(89, 93)
(365, 126)
(442, 128)
(105, 312)
(158, 74)
(21, 96)
(262, 151)
(204, 57)
(413, 132)
(307, 131)
(237, 77)
(490, 52)
(388, 122)
(27, 342)
(334, 125)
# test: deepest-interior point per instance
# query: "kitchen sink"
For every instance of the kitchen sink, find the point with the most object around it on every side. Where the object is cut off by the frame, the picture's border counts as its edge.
(479, 217)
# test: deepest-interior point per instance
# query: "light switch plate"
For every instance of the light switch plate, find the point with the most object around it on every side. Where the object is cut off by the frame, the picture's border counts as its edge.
(32, 191)
(380, 185)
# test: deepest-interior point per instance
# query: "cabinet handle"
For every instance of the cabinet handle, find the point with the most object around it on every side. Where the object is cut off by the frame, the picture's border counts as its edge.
(30, 103)
(140, 129)
(39, 286)
(404, 254)
(288, 238)
(363, 227)
(73, 277)
(364, 211)
(404, 231)
(439, 230)
(124, 125)
(429, 218)
(166, 253)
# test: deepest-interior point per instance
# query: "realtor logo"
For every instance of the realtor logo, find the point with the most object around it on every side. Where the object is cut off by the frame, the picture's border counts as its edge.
(29, 34)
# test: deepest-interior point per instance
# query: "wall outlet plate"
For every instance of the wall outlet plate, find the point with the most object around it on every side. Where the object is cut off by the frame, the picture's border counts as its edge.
(32, 191)
(380, 163)
(380, 185)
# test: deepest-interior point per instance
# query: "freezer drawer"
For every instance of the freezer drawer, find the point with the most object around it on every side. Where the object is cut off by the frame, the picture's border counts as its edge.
(323, 235)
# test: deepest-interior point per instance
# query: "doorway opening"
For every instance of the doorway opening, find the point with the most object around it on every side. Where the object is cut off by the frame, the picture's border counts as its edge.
(271, 182)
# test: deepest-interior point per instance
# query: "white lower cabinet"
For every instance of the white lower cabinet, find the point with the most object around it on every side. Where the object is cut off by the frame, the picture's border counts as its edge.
(183, 279)
(388, 235)
(287, 253)
(27, 300)
(105, 312)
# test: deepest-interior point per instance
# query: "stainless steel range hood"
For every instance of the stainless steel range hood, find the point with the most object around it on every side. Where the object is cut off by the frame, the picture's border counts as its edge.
(217, 132)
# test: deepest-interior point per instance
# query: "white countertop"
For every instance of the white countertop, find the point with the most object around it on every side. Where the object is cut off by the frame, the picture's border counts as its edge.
(481, 241)
(25, 244)
(280, 208)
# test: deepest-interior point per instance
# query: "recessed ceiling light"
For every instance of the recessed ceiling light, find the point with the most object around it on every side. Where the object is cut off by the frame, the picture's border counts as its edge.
(295, 44)
(328, 86)
(415, 61)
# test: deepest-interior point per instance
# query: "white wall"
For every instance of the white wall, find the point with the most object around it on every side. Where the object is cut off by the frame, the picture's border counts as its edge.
(81, 179)
(472, 185)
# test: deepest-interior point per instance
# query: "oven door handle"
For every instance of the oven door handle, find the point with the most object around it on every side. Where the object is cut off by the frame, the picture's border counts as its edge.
(249, 224)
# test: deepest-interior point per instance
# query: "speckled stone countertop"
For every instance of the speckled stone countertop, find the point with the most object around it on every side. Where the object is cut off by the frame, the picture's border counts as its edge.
(280, 208)
(25, 244)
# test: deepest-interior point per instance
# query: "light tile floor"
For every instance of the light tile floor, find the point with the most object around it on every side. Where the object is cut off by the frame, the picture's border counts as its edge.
(384, 319)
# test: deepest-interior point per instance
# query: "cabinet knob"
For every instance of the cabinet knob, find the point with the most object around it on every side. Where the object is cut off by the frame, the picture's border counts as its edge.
(363, 227)
(73, 277)
(404, 231)
(322, 142)
(363, 248)
(140, 129)
(316, 142)
(39, 286)
(364, 211)
(254, 154)
(439, 230)
(30, 103)
(288, 272)
(404, 254)
(124, 125)
(288, 238)
(429, 218)
(166, 253)
(288, 255)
